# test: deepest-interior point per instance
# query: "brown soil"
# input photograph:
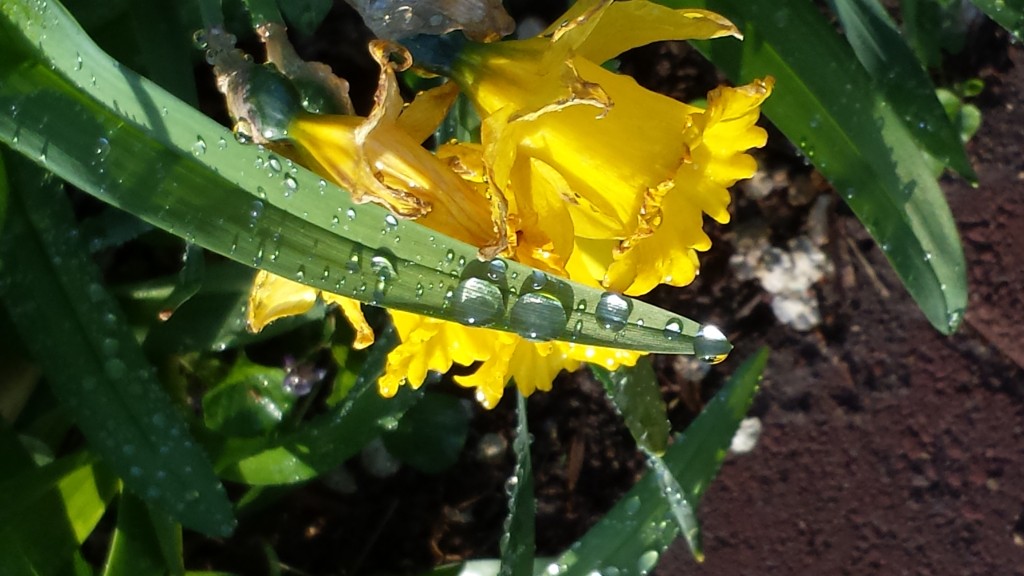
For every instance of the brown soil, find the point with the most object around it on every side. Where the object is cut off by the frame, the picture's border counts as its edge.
(887, 448)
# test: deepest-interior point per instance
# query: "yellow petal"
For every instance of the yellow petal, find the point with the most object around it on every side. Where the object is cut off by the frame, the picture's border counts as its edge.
(429, 344)
(424, 114)
(608, 358)
(274, 297)
(535, 365)
(667, 256)
(626, 25)
(353, 312)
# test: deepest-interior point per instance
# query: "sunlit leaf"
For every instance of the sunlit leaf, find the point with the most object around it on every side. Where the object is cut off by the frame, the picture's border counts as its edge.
(136, 546)
(632, 536)
(826, 103)
(895, 69)
(636, 395)
(46, 513)
(111, 133)
(251, 400)
(517, 544)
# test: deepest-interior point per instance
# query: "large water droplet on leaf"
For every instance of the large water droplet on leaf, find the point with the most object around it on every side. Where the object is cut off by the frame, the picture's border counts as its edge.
(613, 311)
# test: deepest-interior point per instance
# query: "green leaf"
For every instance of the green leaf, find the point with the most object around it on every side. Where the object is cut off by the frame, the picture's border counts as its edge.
(636, 395)
(1007, 13)
(680, 507)
(905, 84)
(3, 196)
(324, 442)
(251, 400)
(826, 103)
(111, 228)
(52, 290)
(632, 536)
(190, 279)
(78, 566)
(934, 28)
(111, 133)
(305, 15)
(431, 435)
(214, 318)
(46, 513)
(517, 545)
(137, 546)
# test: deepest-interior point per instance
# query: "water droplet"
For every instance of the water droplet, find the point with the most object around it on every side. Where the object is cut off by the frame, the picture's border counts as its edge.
(350, 214)
(222, 144)
(335, 221)
(255, 211)
(419, 290)
(496, 270)
(613, 311)
(109, 346)
(199, 148)
(115, 368)
(673, 329)
(954, 318)
(927, 256)
(78, 62)
(300, 274)
(632, 505)
(390, 223)
(647, 561)
(102, 148)
(537, 316)
(354, 263)
(257, 259)
(383, 266)
(274, 163)
(199, 39)
(477, 302)
(290, 185)
(449, 256)
(710, 345)
(577, 329)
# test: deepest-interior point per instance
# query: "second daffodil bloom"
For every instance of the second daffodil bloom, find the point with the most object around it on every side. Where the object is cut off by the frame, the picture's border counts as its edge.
(621, 176)
(379, 160)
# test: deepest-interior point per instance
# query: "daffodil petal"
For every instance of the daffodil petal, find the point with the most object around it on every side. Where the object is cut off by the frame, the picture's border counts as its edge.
(273, 297)
(353, 312)
(424, 114)
(668, 256)
(626, 25)
(535, 365)
(578, 14)
(608, 358)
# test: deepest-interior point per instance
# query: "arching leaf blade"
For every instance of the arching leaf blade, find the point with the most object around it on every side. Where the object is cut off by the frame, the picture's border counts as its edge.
(825, 102)
(112, 133)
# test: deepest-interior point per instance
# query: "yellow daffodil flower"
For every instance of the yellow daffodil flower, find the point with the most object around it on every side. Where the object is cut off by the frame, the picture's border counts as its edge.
(620, 176)
(379, 160)
(580, 172)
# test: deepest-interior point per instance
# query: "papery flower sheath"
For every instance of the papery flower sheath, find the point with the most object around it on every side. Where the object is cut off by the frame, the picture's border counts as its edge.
(619, 175)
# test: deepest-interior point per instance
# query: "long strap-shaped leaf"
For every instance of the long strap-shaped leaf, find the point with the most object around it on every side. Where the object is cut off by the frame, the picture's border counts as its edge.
(92, 361)
(73, 110)
(825, 102)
